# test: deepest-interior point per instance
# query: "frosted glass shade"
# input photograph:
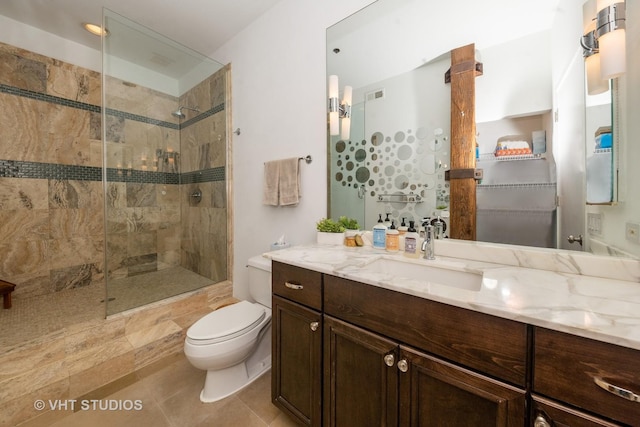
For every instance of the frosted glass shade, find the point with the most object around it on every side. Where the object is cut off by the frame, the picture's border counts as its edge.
(595, 83)
(613, 61)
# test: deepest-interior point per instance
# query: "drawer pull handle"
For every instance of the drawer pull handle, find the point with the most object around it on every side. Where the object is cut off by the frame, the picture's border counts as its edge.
(618, 391)
(295, 286)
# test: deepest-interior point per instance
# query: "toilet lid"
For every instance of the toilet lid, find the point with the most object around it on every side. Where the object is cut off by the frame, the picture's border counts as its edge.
(227, 322)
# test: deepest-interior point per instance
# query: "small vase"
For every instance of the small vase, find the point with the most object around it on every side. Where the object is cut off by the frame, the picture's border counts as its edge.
(324, 238)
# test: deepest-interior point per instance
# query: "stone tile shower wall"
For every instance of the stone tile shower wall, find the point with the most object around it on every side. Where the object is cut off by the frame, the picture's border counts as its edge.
(51, 194)
(51, 204)
(204, 162)
(152, 221)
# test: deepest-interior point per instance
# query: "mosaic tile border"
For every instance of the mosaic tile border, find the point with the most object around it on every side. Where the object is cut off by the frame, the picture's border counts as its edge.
(206, 175)
(35, 170)
(38, 96)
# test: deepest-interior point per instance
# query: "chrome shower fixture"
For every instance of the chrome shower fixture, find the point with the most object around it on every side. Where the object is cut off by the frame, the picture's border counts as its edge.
(179, 114)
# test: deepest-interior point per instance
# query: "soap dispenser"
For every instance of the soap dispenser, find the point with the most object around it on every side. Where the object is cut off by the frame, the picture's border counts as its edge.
(379, 234)
(387, 221)
(411, 242)
(392, 238)
(403, 227)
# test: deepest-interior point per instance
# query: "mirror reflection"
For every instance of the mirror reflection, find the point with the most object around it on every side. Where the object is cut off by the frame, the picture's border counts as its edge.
(537, 128)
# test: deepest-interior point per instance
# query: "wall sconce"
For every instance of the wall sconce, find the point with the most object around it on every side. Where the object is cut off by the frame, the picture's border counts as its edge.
(604, 42)
(339, 110)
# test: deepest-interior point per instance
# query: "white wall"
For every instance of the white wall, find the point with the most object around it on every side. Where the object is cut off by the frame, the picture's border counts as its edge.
(18, 34)
(279, 103)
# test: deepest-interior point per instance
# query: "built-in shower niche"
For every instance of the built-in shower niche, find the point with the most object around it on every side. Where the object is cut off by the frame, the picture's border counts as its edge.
(158, 243)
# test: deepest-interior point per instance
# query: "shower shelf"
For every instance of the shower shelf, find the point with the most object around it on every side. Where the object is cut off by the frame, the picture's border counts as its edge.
(400, 198)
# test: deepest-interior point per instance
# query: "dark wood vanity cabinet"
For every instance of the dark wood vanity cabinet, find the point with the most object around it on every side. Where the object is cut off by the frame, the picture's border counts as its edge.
(373, 377)
(360, 377)
(588, 376)
(296, 379)
(359, 355)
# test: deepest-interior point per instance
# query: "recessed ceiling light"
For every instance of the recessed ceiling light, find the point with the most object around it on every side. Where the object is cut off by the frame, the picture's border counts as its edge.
(95, 29)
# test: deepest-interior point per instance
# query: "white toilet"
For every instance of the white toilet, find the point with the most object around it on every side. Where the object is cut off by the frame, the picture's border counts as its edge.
(233, 343)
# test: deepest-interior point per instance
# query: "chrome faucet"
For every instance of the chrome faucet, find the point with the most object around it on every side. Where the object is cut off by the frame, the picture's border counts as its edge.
(427, 245)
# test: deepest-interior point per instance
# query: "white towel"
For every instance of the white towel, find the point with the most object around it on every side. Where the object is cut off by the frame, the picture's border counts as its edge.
(282, 182)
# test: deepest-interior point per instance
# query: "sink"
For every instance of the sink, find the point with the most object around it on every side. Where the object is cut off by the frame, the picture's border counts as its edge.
(425, 274)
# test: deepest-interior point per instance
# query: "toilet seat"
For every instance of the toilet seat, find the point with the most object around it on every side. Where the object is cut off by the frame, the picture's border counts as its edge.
(226, 323)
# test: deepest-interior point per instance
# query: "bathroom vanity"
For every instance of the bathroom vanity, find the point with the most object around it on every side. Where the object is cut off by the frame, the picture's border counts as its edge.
(363, 338)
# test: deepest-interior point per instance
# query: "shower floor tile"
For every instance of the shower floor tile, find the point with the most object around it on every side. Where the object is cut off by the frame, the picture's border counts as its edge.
(36, 317)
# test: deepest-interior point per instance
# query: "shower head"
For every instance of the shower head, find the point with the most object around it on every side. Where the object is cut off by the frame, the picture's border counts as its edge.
(179, 114)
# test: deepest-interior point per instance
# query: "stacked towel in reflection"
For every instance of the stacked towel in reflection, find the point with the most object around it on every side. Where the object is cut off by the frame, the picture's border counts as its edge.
(513, 145)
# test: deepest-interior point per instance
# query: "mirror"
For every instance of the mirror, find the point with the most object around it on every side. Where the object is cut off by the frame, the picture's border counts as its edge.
(395, 54)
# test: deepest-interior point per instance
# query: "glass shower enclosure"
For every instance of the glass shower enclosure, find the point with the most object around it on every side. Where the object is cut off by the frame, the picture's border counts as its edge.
(164, 136)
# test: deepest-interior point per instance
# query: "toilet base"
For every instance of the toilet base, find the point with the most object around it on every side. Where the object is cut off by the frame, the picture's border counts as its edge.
(224, 382)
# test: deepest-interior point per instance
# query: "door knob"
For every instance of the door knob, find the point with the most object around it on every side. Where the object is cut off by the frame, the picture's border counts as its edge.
(403, 365)
(314, 326)
(573, 239)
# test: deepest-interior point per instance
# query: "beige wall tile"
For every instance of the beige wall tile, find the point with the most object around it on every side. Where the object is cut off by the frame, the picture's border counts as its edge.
(100, 373)
(22, 408)
(23, 193)
(41, 376)
(147, 318)
(24, 358)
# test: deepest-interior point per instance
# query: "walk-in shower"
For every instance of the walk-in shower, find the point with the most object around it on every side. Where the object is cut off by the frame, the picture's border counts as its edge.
(158, 242)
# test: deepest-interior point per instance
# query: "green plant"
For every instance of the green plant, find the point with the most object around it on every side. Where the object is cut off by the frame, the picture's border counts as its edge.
(327, 225)
(349, 223)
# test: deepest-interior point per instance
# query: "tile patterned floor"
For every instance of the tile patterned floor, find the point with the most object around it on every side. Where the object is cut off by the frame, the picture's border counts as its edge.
(35, 317)
(169, 398)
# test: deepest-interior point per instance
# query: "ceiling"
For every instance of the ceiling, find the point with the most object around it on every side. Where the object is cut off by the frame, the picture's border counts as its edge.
(202, 25)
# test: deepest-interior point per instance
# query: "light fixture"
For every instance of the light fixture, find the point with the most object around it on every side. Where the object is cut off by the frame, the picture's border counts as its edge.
(95, 29)
(595, 83)
(339, 110)
(611, 36)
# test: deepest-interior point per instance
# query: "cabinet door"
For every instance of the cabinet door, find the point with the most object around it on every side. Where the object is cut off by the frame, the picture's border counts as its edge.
(436, 393)
(296, 377)
(361, 378)
(547, 413)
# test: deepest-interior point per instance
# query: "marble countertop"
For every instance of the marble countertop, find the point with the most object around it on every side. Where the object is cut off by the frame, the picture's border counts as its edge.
(605, 309)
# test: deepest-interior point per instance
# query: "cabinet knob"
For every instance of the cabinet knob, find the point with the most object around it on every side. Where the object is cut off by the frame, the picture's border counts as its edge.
(540, 421)
(314, 326)
(403, 365)
(389, 359)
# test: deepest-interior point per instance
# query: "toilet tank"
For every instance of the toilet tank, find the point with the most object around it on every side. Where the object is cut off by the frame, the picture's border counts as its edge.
(260, 279)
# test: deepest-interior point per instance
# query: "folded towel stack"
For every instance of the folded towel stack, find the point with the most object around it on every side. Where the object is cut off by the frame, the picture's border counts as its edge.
(512, 146)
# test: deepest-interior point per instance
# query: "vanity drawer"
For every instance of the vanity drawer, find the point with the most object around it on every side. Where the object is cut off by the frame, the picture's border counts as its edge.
(494, 346)
(297, 284)
(566, 368)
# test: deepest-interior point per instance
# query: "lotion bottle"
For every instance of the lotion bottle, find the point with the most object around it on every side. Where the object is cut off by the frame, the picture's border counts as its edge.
(392, 238)
(411, 242)
(379, 234)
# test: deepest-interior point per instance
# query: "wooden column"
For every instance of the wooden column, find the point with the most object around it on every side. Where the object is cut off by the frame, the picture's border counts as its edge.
(463, 142)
